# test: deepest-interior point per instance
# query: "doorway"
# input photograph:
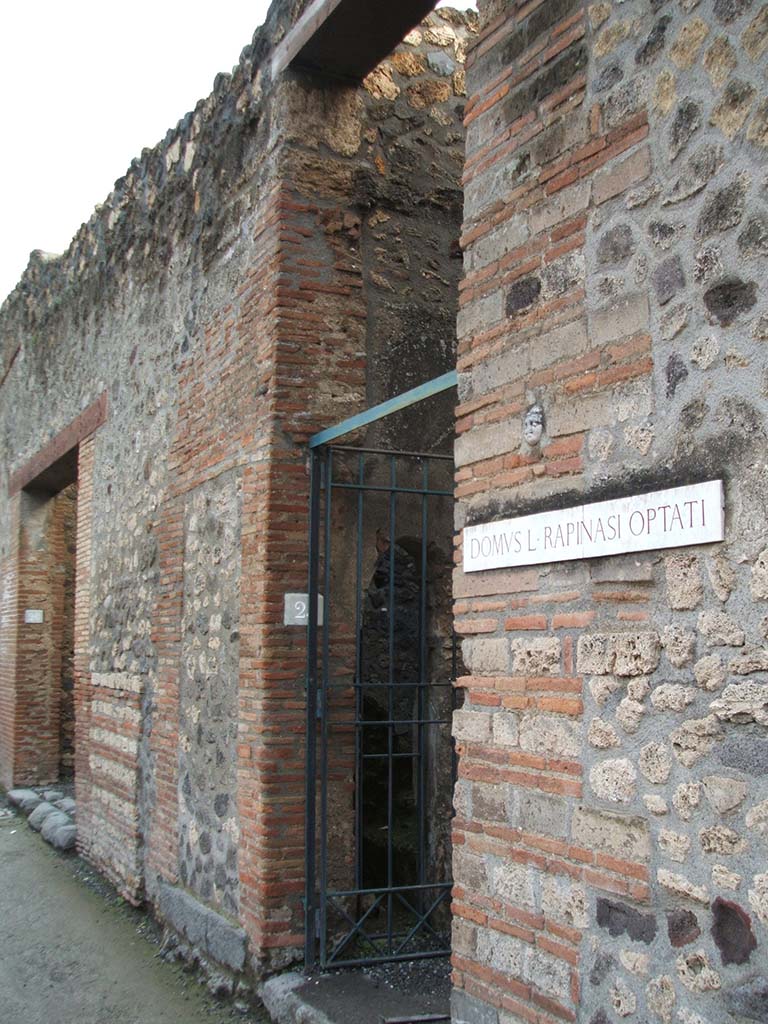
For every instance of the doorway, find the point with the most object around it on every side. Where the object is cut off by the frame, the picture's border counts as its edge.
(382, 659)
(45, 686)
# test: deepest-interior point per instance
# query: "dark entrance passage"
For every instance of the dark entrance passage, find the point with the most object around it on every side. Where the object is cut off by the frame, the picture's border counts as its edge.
(382, 660)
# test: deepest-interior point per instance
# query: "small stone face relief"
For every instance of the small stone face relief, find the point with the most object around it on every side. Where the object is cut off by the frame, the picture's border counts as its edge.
(533, 425)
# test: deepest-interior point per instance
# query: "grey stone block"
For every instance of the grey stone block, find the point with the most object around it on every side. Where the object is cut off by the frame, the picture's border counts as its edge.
(485, 442)
(52, 795)
(67, 805)
(616, 245)
(468, 1010)
(668, 279)
(26, 799)
(623, 318)
(629, 569)
(184, 913)
(64, 837)
(541, 813)
(441, 62)
(40, 813)
(52, 823)
(746, 753)
(279, 995)
(210, 932)
(480, 314)
(167, 897)
(226, 944)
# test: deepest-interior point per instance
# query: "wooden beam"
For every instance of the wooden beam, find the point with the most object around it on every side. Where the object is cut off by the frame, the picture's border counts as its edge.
(55, 465)
(346, 39)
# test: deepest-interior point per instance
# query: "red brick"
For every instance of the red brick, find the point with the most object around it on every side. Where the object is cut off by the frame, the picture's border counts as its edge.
(573, 620)
(526, 622)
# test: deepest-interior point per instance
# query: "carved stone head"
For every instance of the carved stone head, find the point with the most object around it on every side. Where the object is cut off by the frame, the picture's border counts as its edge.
(533, 425)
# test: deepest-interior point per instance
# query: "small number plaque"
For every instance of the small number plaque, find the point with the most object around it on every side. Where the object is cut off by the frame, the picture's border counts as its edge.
(297, 610)
(33, 616)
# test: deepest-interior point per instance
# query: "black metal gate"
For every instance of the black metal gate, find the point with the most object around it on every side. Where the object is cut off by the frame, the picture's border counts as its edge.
(381, 664)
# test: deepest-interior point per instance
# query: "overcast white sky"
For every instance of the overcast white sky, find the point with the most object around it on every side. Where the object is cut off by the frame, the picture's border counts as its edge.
(85, 86)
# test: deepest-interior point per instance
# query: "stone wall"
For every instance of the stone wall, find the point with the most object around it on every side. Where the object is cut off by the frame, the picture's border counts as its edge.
(610, 842)
(225, 300)
(208, 825)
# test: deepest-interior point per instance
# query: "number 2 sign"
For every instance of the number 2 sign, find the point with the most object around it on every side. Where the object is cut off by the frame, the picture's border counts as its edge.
(297, 610)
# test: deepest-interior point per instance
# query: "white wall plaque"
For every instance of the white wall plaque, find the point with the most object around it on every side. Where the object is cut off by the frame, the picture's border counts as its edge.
(297, 610)
(645, 522)
(33, 615)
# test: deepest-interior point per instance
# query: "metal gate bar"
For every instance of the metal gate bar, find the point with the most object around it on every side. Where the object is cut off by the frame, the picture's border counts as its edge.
(344, 924)
(427, 390)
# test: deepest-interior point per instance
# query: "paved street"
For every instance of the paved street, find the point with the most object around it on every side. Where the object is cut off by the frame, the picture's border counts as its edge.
(70, 954)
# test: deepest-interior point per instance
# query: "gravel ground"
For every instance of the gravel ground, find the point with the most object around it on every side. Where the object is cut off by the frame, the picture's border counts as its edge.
(74, 952)
(415, 977)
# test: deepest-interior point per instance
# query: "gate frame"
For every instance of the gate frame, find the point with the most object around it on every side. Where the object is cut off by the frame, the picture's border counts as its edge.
(323, 439)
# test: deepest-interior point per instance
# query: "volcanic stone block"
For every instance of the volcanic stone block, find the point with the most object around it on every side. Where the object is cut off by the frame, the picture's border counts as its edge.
(621, 919)
(755, 38)
(676, 372)
(64, 837)
(731, 112)
(745, 753)
(732, 932)
(603, 966)
(52, 824)
(686, 121)
(184, 913)
(727, 11)
(723, 210)
(753, 240)
(616, 245)
(682, 927)
(701, 166)
(523, 294)
(654, 44)
(609, 77)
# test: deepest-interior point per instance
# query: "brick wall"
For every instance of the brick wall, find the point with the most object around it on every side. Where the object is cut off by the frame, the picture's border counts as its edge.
(108, 723)
(613, 175)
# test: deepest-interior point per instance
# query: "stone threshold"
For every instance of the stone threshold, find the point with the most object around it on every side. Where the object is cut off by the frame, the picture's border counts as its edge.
(347, 997)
